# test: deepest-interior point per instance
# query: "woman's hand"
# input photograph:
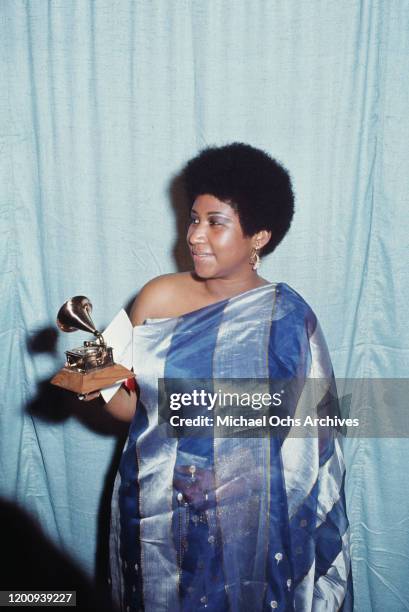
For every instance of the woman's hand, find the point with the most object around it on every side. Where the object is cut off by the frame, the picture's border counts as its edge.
(88, 397)
(121, 406)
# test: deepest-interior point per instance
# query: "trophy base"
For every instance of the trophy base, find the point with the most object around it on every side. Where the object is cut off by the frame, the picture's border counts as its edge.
(86, 382)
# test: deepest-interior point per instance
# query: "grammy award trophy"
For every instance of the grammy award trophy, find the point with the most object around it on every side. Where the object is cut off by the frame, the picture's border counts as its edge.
(90, 367)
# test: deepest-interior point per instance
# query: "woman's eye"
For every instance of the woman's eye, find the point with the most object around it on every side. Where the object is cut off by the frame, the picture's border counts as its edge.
(196, 221)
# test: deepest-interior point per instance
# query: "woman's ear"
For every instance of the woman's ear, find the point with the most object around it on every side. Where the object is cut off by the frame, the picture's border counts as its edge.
(261, 238)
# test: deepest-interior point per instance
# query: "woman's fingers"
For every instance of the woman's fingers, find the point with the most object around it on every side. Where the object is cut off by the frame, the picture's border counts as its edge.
(87, 397)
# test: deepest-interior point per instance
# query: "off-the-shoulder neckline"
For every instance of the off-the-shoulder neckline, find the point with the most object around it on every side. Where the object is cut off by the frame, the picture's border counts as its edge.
(150, 321)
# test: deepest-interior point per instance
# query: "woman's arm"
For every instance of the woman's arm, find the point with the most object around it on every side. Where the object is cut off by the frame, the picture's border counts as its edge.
(122, 405)
(150, 302)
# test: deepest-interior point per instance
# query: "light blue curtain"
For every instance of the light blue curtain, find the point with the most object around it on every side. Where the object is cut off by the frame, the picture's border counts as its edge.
(101, 104)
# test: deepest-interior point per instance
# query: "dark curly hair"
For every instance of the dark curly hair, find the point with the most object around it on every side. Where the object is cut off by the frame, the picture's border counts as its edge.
(256, 186)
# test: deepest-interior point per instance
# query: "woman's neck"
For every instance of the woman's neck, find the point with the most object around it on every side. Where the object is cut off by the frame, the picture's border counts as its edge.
(223, 288)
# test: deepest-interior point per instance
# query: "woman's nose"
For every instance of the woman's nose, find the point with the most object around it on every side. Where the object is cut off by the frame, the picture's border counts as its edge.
(196, 234)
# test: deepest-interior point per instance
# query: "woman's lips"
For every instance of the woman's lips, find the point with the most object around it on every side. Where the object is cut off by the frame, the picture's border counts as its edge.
(197, 255)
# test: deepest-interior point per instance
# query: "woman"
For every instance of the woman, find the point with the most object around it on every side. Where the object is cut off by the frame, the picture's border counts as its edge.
(230, 522)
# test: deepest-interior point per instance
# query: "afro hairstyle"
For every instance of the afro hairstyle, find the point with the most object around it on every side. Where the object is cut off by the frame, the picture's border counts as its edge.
(256, 186)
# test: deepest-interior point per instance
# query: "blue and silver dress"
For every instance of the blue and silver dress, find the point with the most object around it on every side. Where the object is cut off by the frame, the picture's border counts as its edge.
(231, 523)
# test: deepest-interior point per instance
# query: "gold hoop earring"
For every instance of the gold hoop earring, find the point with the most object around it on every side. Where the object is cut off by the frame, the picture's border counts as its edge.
(255, 257)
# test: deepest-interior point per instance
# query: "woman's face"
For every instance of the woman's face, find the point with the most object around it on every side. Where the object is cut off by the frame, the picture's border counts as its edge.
(216, 241)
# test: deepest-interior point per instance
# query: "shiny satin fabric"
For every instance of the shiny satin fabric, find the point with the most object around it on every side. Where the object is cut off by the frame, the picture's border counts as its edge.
(231, 523)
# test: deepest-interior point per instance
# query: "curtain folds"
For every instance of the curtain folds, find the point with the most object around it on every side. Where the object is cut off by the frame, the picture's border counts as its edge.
(102, 102)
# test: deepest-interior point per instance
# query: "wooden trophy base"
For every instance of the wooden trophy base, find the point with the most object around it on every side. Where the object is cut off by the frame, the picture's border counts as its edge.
(86, 382)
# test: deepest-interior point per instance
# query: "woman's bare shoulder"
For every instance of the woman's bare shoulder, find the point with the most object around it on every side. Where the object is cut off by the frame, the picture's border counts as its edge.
(161, 297)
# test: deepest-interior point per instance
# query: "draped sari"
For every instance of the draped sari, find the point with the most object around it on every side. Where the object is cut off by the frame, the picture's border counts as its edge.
(231, 523)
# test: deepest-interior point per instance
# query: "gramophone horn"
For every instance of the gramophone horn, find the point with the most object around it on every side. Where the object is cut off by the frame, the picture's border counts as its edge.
(76, 314)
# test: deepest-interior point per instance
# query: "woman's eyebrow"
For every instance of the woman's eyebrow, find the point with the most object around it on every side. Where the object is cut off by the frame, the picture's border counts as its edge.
(212, 212)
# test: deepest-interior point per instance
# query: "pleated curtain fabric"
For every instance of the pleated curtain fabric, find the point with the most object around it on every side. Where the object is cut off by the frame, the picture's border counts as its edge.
(101, 104)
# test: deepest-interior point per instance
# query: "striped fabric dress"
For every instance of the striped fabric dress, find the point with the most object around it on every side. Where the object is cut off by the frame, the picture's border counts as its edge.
(231, 523)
